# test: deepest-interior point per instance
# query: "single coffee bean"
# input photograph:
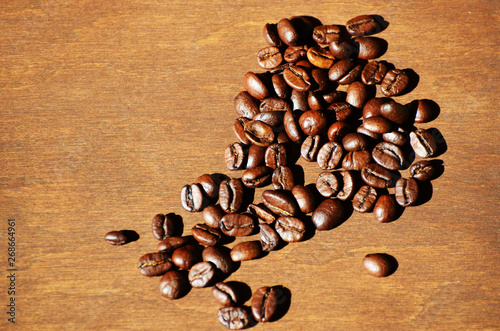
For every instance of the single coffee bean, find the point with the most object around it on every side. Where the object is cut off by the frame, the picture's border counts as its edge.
(344, 49)
(280, 202)
(355, 142)
(290, 229)
(212, 215)
(256, 85)
(385, 209)
(334, 96)
(272, 118)
(163, 226)
(281, 88)
(255, 156)
(329, 214)
(274, 104)
(424, 110)
(363, 25)
(330, 155)
(293, 54)
(377, 124)
(368, 133)
(299, 100)
(320, 57)
(379, 264)
(186, 256)
(395, 112)
(374, 72)
(264, 304)
(325, 34)
(346, 71)
(269, 57)
(201, 274)
(377, 176)
(225, 294)
(154, 264)
(206, 235)
(287, 32)
(423, 170)
(372, 107)
(305, 198)
(193, 197)
(172, 243)
(327, 184)
(116, 238)
(233, 318)
(316, 101)
(234, 156)
(271, 35)
(261, 212)
(389, 156)
(210, 184)
(283, 178)
(313, 122)
(257, 177)
(239, 129)
(338, 130)
(423, 143)
(237, 225)
(269, 238)
(406, 191)
(275, 155)
(246, 105)
(297, 78)
(348, 187)
(259, 133)
(370, 47)
(364, 200)
(394, 83)
(357, 94)
(339, 111)
(231, 193)
(356, 160)
(247, 250)
(398, 137)
(219, 258)
(292, 127)
(310, 148)
(173, 285)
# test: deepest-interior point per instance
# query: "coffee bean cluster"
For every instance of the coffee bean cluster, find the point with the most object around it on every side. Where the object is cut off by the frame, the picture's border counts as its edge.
(316, 99)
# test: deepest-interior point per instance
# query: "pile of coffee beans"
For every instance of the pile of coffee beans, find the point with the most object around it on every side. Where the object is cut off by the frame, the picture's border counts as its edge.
(316, 99)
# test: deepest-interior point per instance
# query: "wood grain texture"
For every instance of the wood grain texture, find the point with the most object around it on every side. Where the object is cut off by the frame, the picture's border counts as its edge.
(109, 107)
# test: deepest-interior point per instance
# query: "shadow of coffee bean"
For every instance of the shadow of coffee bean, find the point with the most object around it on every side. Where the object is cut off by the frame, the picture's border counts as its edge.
(131, 235)
(283, 300)
(425, 192)
(413, 79)
(442, 147)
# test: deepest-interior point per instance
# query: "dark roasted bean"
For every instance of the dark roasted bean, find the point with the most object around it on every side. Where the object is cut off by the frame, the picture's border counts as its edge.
(297, 78)
(271, 35)
(305, 198)
(348, 187)
(255, 156)
(210, 184)
(233, 318)
(399, 137)
(394, 82)
(287, 32)
(163, 226)
(363, 25)
(344, 49)
(281, 88)
(172, 243)
(374, 72)
(219, 258)
(370, 47)
(290, 229)
(116, 238)
(173, 285)
(264, 304)
(231, 192)
(389, 156)
(280, 202)
(239, 129)
(206, 235)
(256, 85)
(154, 264)
(246, 105)
(406, 191)
(372, 107)
(274, 104)
(325, 34)
(201, 274)
(212, 215)
(377, 176)
(261, 212)
(193, 197)
(339, 111)
(330, 155)
(234, 156)
(257, 177)
(385, 209)
(247, 250)
(395, 112)
(275, 155)
(379, 264)
(424, 110)
(327, 184)
(357, 94)
(259, 133)
(355, 142)
(269, 57)
(423, 170)
(292, 127)
(364, 199)
(356, 160)
(186, 256)
(310, 148)
(338, 130)
(225, 294)
(320, 57)
(313, 122)
(269, 238)
(377, 124)
(329, 214)
(294, 54)
(237, 225)
(423, 143)
(282, 178)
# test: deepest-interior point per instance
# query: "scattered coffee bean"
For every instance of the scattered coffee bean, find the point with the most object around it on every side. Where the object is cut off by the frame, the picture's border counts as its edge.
(163, 226)
(305, 198)
(201, 274)
(394, 82)
(257, 177)
(423, 170)
(364, 199)
(172, 243)
(282, 178)
(193, 198)
(186, 256)
(231, 192)
(290, 229)
(116, 238)
(225, 294)
(247, 250)
(377, 176)
(389, 156)
(406, 191)
(379, 264)
(237, 225)
(218, 256)
(329, 214)
(206, 235)
(233, 318)
(385, 209)
(212, 215)
(330, 155)
(234, 156)
(269, 238)
(327, 184)
(261, 212)
(264, 304)
(280, 202)
(154, 264)
(363, 25)
(423, 143)
(173, 285)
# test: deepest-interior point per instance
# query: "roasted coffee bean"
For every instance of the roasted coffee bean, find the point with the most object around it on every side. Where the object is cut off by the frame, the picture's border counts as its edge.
(172, 243)
(281, 88)
(163, 226)
(256, 85)
(305, 198)
(348, 186)
(374, 72)
(269, 57)
(231, 193)
(219, 258)
(406, 191)
(233, 318)
(357, 94)
(259, 133)
(377, 124)
(246, 105)
(329, 214)
(424, 110)
(372, 107)
(271, 35)
(356, 160)
(395, 112)
(370, 47)
(272, 118)
(334, 96)
(291, 123)
(299, 100)
(297, 78)
(364, 199)
(257, 177)
(206, 235)
(193, 197)
(234, 156)
(394, 83)
(264, 304)
(363, 25)
(116, 238)
(313, 122)
(355, 142)
(389, 156)
(294, 54)
(154, 264)
(237, 225)
(210, 184)
(385, 209)
(186, 256)
(338, 130)
(212, 215)
(339, 111)
(225, 294)
(280, 202)
(269, 238)
(344, 49)
(423, 143)
(368, 133)
(327, 184)
(377, 176)
(330, 155)
(325, 34)
(173, 285)
(283, 178)
(274, 104)
(261, 212)
(255, 156)
(290, 229)
(310, 148)
(346, 71)
(247, 250)
(379, 264)
(201, 274)
(320, 57)
(287, 32)
(316, 101)
(423, 170)
(399, 137)
(275, 156)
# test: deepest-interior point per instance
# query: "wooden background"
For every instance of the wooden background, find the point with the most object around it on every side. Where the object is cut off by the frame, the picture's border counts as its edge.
(109, 107)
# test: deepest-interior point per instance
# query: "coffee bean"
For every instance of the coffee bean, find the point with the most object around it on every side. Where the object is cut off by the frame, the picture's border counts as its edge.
(163, 226)
(355, 142)
(255, 156)
(219, 258)
(329, 214)
(330, 155)
(370, 47)
(173, 285)
(372, 107)
(233, 318)
(398, 137)
(271, 35)
(280, 202)
(290, 229)
(186, 256)
(272, 118)
(316, 101)
(206, 235)
(201, 274)
(246, 105)
(291, 123)
(294, 54)
(261, 212)
(193, 197)
(237, 225)
(395, 112)
(259, 133)
(385, 209)
(374, 72)
(406, 191)
(275, 156)
(310, 148)
(269, 57)
(339, 111)
(364, 200)
(327, 184)
(281, 88)
(379, 264)
(264, 304)
(424, 110)
(247, 250)
(423, 143)
(269, 238)
(313, 122)
(299, 100)
(348, 186)
(357, 94)
(154, 264)
(389, 156)
(231, 193)
(325, 34)
(305, 198)
(377, 176)
(116, 238)
(287, 32)
(320, 57)
(297, 78)
(212, 215)
(234, 156)
(274, 104)
(338, 130)
(346, 71)
(210, 184)
(283, 178)
(225, 294)
(257, 177)
(172, 243)
(423, 170)
(256, 85)
(356, 160)
(394, 83)
(344, 49)
(363, 25)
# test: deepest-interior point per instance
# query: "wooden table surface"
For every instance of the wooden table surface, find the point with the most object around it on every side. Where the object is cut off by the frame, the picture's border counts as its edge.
(109, 107)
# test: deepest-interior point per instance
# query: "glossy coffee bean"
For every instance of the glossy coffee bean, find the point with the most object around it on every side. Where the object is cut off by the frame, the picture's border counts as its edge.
(377, 176)
(225, 294)
(272, 118)
(379, 264)
(320, 57)
(374, 72)
(389, 156)
(210, 184)
(370, 47)
(275, 156)
(395, 112)
(313, 122)
(281, 88)
(355, 142)
(329, 214)
(274, 104)
(330, 155)
(256, 85)
(325, 34)
(212, 215)
(287, 32)
(424, 110)
(257, 177)
(338, 130)
(406, 191)
(385, 209)
(255, 156)
(310, 148)
(154, 264)
(186, 256)
(269, 57)
(316, 101)
(423, 170)
(116, 238)
(344, 49)
(292, 127)
(368, 133)
(356, 160)
(290, 229)
(363, 25)
(357, 94)
(234, 156)
(233, 318)
(237, 225)
(259, 133)
(264, 304)
(201, 274)
(219, 257)
(231, 193)
(327, 184)
(246, 105)
(193, 197)
(377, 124)
(394, 83)
(305, 198)
(346, 71)
(282, 178)
(364, 200)
(261, 212)
(173, 285)
(299, 100)
(423, 143)
(348, 186)
(172, 243)
(280, 202)
(206, 235)
(294, 54)
(269, 238)
(247, 250)
(298, 78)
(271, 35)
(163, 226)
(372, 107)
